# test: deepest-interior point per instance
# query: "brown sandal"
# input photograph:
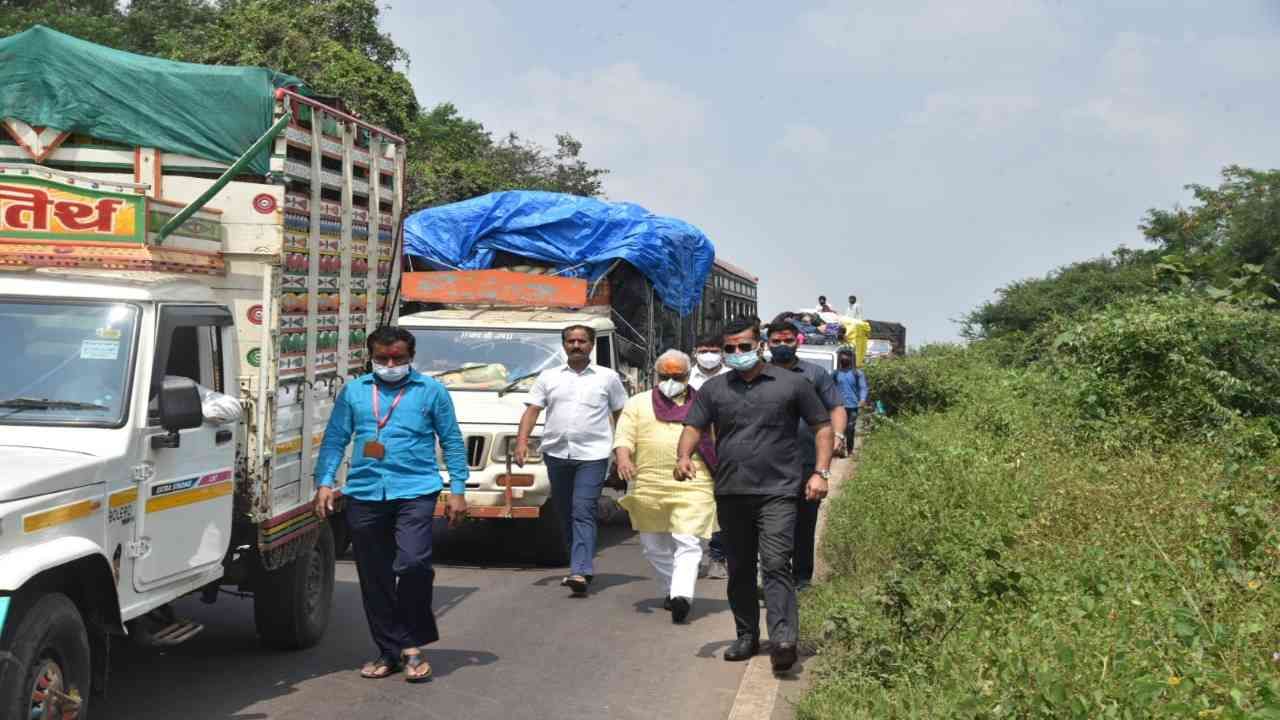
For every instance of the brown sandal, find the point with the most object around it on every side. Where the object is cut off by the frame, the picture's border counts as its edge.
(416, 668)
(379, 668)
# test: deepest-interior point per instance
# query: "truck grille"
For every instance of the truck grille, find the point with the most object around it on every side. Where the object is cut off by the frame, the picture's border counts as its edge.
(475, 451)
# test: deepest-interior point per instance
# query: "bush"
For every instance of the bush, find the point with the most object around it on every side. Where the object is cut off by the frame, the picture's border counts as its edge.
(923, 381)
(1173, 368)
(992, 560)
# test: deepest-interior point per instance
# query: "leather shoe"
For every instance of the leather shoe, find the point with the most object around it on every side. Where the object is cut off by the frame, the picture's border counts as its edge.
(783, 656)
(744, 648)
(679, 609)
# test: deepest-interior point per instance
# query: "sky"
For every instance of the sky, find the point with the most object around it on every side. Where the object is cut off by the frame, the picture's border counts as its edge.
(917, 153)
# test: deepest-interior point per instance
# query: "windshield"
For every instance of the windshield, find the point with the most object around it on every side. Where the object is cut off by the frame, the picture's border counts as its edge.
(879, 348)
(485, 359)
(68, 363)
(825, 359)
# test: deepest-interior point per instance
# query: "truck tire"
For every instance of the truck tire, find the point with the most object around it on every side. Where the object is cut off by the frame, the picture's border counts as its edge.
(551, 548)
(45, 663)
(291, 604)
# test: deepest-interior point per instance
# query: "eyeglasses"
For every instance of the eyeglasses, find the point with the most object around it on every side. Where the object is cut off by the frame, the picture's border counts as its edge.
(682, 377)
(740, 347)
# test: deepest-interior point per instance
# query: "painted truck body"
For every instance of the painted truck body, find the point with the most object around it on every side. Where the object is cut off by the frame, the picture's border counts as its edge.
(265, 294)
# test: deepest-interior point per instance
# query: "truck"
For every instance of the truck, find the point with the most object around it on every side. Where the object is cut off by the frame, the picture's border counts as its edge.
(486, 333)
(139, 274)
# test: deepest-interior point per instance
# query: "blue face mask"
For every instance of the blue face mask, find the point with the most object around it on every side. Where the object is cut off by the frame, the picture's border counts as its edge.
(742, 361)
(783, 354)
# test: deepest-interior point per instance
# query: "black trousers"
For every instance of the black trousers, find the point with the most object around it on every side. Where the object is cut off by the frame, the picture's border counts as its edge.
(762, 525)
(391, 541)
(806, 528)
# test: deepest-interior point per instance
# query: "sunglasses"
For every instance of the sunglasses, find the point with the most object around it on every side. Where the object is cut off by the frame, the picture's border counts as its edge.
(740, 347)
(682, 377)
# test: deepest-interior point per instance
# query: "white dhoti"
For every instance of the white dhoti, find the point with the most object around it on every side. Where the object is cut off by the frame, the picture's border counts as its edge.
(675, 558)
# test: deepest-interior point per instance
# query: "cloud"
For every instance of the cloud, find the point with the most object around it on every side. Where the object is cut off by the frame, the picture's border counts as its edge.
(643, 128)
(803, 139)
(932, 35)
(953, 109)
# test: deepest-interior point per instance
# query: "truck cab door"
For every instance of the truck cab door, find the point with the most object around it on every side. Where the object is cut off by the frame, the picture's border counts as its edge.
(184, 511)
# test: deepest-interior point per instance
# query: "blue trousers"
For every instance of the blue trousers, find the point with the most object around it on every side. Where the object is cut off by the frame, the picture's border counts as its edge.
(575, 489)
(391, 542)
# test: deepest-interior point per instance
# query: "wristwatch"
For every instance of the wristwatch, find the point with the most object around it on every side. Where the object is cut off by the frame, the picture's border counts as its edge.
(824, 474)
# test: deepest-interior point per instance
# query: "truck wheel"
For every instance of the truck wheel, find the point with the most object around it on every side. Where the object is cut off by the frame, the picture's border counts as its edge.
(45, 663)
(550, 545)
(341, 534)
(291, 604)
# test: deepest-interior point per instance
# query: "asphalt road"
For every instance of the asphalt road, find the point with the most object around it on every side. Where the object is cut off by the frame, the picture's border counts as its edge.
(514, 645)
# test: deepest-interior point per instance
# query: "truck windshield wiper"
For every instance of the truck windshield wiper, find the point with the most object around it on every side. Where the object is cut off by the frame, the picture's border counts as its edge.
(474, 366)
(511, 386)
(46, 404)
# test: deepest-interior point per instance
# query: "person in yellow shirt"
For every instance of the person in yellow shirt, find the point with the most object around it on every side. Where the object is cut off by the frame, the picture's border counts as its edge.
(674, 518)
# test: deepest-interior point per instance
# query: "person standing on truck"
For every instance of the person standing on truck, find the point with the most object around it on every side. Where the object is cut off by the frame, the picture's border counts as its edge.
(710, 363)
(581, 400)
(855, 308)
(783, 341)
(396, 416)
(673, 518)
(755, 411)
(852, 384)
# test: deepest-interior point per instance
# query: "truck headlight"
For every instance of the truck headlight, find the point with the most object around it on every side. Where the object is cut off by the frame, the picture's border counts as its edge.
(500, 448)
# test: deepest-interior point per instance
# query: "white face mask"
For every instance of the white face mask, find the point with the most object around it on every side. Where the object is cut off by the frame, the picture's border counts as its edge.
(709, 360)
(391, 373)
(672, 388)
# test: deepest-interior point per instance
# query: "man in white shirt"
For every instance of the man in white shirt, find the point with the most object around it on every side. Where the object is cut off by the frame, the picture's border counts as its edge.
(855, 308)
(709, 361)
(583, 401)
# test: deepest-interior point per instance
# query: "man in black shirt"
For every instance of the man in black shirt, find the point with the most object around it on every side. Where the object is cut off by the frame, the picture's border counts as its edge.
(783, 341)
(755, 411)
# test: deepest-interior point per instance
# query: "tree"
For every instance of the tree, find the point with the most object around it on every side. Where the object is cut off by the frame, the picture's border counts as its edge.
(1230, 229)
(338, 49)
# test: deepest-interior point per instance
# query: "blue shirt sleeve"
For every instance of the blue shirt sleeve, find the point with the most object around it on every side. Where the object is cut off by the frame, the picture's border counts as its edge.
(455, 450)
(336, 436)
(862, 385)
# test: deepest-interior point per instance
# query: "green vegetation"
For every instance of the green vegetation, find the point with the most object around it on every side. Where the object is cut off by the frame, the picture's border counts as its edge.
(1074, 515)
(337, 47)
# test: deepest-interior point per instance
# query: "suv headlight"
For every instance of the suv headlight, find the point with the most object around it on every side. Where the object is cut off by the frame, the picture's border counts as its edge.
(500, 448)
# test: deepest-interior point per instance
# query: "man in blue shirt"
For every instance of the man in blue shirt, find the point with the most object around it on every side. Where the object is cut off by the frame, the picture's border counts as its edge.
(395, 415)
(853, 389)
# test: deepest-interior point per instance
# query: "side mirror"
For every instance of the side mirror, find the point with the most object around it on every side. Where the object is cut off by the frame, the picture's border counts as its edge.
(180, 409)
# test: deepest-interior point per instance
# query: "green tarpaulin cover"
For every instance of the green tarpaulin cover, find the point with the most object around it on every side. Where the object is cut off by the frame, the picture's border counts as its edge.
(213, 112)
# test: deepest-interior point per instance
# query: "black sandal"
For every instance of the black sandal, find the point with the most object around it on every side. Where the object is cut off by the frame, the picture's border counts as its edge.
(379, 669)
(413, 661)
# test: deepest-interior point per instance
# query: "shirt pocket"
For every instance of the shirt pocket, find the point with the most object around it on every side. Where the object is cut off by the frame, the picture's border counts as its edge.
(594, 398)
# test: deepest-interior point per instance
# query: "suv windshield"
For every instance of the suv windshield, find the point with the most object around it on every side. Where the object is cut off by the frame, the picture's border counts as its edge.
(68, 362)
(486, 359)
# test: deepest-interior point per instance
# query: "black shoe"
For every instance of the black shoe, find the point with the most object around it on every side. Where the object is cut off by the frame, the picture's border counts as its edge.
(578, 585)
(783, 656)
(679, 609)
(744, 648)
(666, 604)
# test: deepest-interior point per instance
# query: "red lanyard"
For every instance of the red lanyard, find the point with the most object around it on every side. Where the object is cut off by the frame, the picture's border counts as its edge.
(377, 409)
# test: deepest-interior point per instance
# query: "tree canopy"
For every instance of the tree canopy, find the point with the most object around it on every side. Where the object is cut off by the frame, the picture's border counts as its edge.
(337, 47)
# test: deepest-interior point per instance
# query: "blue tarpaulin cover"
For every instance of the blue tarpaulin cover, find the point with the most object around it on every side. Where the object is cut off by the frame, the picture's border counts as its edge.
(581, 236)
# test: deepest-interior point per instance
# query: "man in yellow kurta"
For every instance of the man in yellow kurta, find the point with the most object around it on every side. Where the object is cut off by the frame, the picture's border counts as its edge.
(673, 517)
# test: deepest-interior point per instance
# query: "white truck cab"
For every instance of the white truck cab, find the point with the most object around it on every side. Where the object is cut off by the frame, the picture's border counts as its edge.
(488, 359)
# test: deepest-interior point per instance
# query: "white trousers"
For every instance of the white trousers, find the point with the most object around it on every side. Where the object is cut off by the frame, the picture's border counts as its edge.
(675, 558)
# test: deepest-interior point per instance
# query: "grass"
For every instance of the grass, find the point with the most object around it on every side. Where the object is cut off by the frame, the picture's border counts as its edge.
(988, 562)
